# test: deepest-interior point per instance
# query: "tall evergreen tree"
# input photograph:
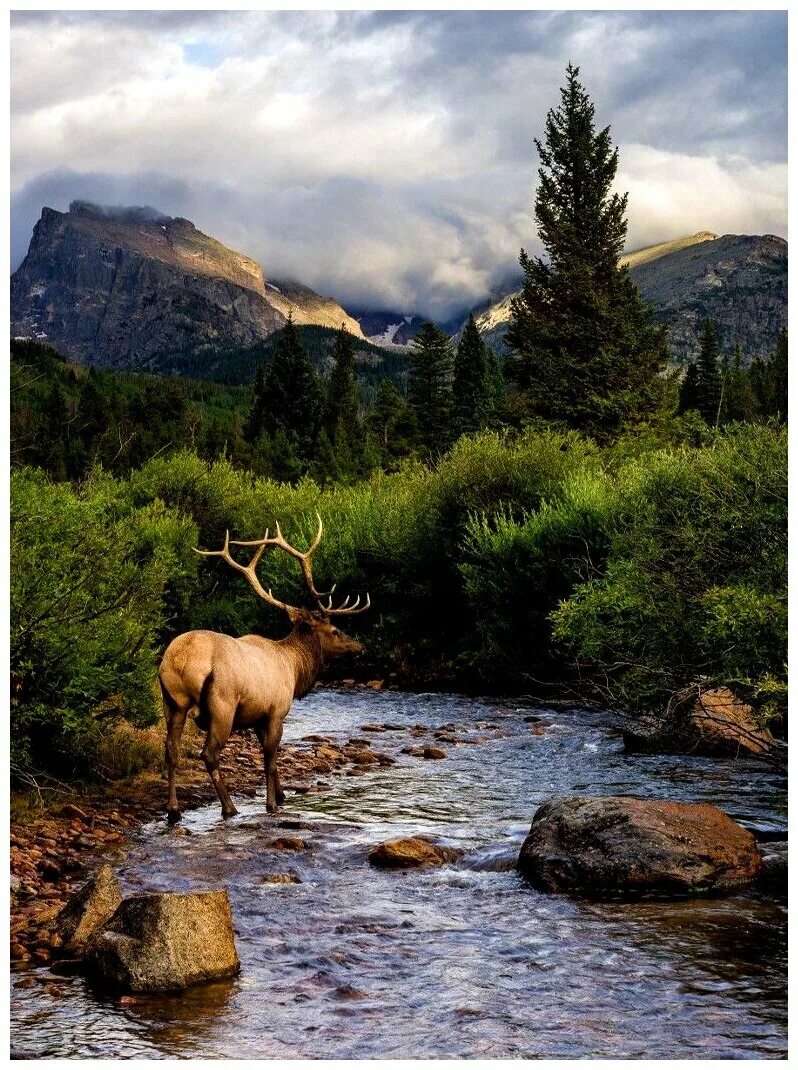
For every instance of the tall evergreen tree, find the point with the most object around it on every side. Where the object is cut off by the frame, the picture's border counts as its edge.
(341, 402)
(584, 351)
(496, 389)
(738, 399)
(290, 397)
(778, 370)
(343, 428)
(688, 391)
(709, 382)
(429, 387)
(255, 420)
(390, 422)
(471, 401)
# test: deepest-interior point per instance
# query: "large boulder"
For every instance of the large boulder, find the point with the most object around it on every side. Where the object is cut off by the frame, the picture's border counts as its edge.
(165, 942)
(616, 845)
(411, 852)
(711, 722)
(88, 910)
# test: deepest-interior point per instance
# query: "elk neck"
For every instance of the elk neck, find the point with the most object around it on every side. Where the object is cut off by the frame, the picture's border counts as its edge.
(304, 649)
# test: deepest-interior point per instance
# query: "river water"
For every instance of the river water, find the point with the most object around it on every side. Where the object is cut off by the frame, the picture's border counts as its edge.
(460, 961)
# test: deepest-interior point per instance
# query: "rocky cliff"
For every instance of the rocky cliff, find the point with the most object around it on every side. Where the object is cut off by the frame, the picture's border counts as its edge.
(738, 281)
(120, 287)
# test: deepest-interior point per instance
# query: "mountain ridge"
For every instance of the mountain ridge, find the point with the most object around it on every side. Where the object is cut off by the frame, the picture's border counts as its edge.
(116, 287)
(737, 280)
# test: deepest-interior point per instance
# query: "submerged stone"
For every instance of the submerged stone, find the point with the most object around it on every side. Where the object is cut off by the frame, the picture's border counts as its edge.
(410, 852)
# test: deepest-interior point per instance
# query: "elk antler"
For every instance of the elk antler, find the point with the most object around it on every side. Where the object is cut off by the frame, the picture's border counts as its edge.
(304, 560)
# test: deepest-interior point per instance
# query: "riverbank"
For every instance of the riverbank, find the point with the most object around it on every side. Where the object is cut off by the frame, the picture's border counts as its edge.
(54, 845)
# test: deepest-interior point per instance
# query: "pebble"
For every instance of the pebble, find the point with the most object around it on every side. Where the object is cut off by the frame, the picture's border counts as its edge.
(286, 843)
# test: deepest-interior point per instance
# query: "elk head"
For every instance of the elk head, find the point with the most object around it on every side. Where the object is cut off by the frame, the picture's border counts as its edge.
(334, 642)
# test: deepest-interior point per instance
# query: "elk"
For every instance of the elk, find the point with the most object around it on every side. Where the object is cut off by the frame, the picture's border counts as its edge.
(229, 684)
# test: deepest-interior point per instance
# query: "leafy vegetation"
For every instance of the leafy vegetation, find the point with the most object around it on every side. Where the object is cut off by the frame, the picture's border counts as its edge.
(515, 557)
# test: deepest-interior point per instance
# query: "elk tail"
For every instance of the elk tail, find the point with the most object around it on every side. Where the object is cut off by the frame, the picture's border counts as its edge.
(169, 702)
(204, 718)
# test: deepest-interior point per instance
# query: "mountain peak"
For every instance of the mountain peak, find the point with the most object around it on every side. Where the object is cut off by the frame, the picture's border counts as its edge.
(118, 285)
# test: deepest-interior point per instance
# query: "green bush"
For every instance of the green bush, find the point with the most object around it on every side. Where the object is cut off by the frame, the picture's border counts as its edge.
(695, 582)
(645, 566)
(91, 580)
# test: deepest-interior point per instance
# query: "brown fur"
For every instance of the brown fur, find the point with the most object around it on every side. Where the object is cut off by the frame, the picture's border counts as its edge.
(229, 684)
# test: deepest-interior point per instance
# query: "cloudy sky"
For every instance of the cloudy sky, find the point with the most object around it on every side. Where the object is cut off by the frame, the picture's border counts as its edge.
(387, 158)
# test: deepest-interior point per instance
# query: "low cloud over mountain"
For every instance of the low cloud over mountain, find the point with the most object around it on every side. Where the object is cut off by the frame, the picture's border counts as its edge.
(387, 157)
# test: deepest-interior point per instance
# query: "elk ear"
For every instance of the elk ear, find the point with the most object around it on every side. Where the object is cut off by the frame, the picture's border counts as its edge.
(299, 616)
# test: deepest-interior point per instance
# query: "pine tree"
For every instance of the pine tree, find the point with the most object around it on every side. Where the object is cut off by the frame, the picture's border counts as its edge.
(738, 399)
(688, 391)
(290, 396)
(778, 378)
(255, 420)
(429, 388)
(709, 383)
(584, 351)
(389, 421)
(342, 423)
(497, 389)
(342, 390)
(471, 387)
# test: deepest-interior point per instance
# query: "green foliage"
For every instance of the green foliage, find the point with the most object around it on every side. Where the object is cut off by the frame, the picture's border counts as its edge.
(477, 387)
(739, 403)
(516, 555)
(95, 585)
(237, 367)
(584, 350)
(390, 424)
(769, 382)
(429, 388)
(288, 396)
(695, 581)
(709, 382)
(65, 419)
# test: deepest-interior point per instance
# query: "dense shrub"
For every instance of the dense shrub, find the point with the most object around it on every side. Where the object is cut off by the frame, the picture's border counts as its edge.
(645, 567)
(695, 582)
(91, 582)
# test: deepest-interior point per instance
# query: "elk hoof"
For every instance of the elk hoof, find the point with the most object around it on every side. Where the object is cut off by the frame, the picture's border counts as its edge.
(280, 798)
(173, 816)
(229, 811)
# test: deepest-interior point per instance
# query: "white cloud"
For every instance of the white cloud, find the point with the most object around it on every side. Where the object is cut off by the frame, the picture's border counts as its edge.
(387, 157)
(671, 194)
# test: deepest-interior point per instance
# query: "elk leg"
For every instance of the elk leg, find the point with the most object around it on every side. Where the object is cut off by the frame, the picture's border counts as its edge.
(174, 730)
(211, 754)
(269, 736)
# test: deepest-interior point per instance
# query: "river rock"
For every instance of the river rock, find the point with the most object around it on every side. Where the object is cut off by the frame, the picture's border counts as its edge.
(165, 942)
(774, 864)
(618, 845)
(410, 852)
(89, 909)
(714, 722)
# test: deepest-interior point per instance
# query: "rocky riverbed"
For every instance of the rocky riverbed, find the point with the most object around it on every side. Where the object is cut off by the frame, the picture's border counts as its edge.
(462, 958)
(53, 848)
